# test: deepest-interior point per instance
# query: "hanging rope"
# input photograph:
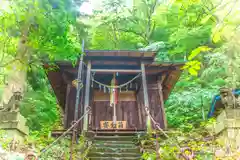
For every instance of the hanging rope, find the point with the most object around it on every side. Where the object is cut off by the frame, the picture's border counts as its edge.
(109, 86)
(118, 86)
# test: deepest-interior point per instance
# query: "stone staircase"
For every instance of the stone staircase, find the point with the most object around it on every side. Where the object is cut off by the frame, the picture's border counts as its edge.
(114, 146)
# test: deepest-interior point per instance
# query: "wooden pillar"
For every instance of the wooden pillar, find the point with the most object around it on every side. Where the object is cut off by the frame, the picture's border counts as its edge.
(162, 103)
(145, 95)
(66, 106)
(87, 94)
(79, 79)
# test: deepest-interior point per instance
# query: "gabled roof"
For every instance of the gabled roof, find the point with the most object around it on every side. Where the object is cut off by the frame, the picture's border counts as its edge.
(121, 53)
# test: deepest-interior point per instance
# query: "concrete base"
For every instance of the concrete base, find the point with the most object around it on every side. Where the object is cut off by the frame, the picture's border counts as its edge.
(14, 125)
(230, 137)
(227, 127)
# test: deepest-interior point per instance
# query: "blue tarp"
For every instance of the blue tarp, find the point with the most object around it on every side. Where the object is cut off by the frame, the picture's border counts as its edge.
(218, 98)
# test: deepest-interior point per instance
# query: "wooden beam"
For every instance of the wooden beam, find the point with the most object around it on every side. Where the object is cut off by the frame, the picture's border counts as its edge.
(162, 103)
(112, 63)
(119, 58)
(66, 77)
(166, 78)
(87, 94)
(130, 53)
(114, 70)
(122, 71)
(145, 94)
(79, 79)
(66, 106)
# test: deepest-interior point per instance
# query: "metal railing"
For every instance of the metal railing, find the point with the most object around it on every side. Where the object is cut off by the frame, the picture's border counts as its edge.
(181, 149)
(64, 134)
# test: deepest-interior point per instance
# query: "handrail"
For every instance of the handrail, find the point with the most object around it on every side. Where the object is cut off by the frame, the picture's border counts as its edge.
(74, 125)
(157, 125)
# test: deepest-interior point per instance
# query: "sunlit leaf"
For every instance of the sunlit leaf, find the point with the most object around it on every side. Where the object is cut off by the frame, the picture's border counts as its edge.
(216, 37)
(205, 19)
(198, 50)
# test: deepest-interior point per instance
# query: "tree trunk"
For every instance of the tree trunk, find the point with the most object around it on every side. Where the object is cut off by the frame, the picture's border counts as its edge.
(16, 78)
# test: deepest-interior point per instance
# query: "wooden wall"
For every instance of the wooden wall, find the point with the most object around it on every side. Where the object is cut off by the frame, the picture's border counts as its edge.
(130, 107)
(70, 106)
(155, 105)
(126, 111)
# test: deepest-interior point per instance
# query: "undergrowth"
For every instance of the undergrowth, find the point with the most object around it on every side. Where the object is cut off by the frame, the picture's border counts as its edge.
(200, 141)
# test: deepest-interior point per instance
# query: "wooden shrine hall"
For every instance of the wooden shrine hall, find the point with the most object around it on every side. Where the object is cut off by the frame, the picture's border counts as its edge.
(117, 86)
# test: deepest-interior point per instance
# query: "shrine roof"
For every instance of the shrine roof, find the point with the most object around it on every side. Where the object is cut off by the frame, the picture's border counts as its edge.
(120, 53)
(106, 60)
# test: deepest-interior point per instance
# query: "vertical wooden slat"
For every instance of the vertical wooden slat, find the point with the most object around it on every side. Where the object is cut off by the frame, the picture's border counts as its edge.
(145, 94)
(119, 112)
(81, 106)
(162, 103)
(125, 116)
(139, 112)
(141, 106)
(87, 94)
(66, 106)
(90, 121)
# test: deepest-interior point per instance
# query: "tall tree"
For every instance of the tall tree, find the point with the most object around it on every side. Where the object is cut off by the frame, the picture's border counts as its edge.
(34, 31)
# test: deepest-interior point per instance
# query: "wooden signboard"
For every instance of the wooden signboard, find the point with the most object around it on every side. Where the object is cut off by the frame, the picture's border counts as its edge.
(109, 125)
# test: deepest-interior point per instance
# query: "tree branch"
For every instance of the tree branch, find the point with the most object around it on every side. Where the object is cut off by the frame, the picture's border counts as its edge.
(17, 59)
(149, 28)
(12, 61)
(3, 55)
(133, 32)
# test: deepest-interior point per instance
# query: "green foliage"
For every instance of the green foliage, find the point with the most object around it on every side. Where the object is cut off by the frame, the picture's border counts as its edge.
(4, 140)
(42, 138)
(50, 30)
(40, 109)
(170, 148)
(49, 26)
(181, 31)
(192, 95)
(187, 104)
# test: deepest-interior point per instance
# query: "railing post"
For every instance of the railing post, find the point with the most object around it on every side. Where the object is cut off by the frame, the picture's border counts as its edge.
(145, 94)
(87, 94)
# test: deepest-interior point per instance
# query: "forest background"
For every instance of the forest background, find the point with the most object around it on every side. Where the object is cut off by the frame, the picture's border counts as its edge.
(201, 32)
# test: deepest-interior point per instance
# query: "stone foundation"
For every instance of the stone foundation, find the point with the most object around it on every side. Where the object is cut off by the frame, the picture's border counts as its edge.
(14, 125)
(227, 127)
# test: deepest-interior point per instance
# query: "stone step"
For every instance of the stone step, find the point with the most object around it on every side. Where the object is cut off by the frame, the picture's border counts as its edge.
(112, 145)
(115, 138)
(111, 154)
(114, 158)
(120, 133)
(113, 142)
(113, 150)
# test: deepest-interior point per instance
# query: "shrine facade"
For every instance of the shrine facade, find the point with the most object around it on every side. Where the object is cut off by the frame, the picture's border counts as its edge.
(116, 87)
